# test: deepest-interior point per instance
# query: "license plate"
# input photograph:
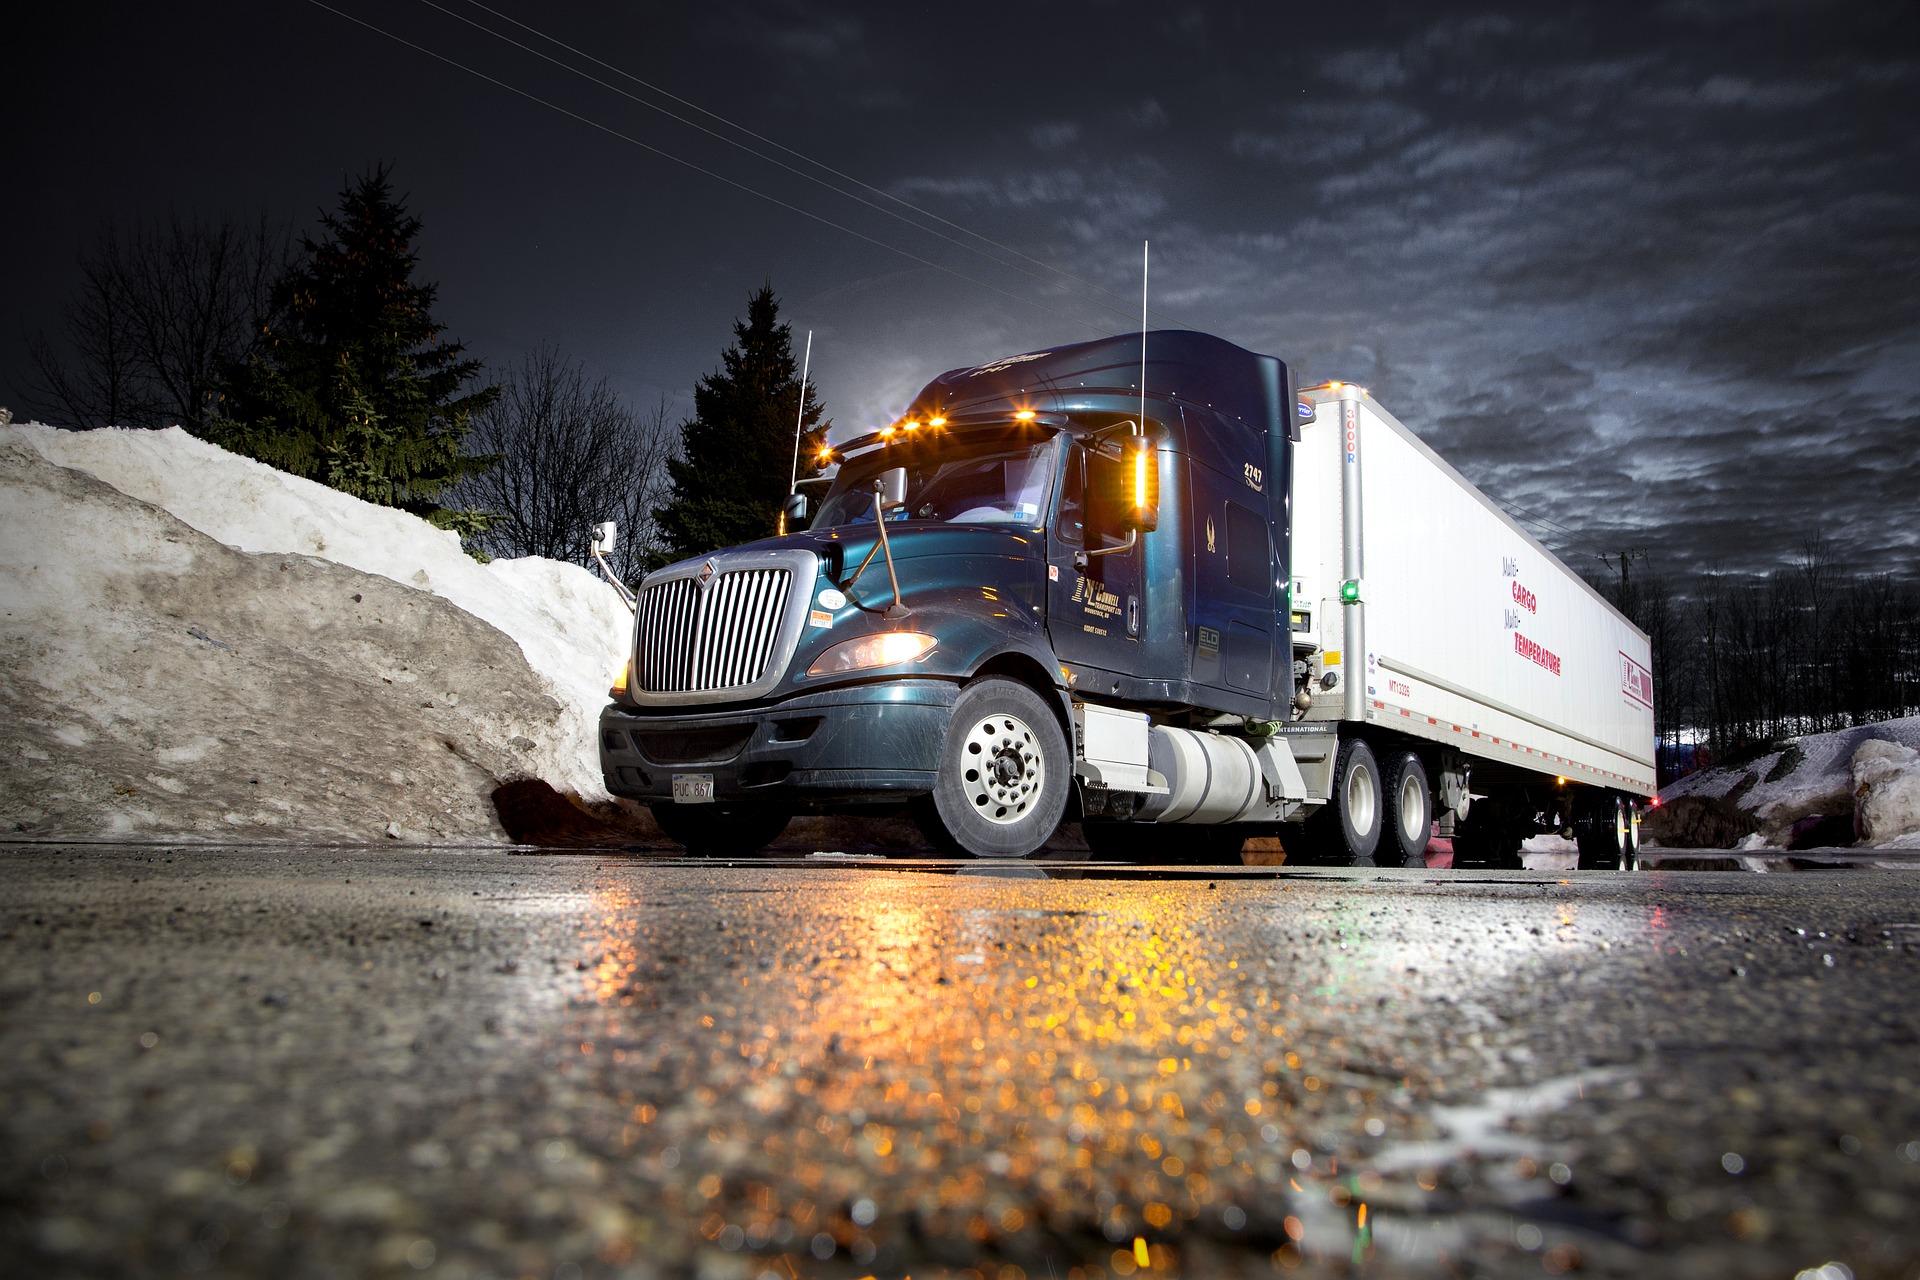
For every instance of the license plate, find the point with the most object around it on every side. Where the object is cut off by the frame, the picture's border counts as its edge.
(693, 788)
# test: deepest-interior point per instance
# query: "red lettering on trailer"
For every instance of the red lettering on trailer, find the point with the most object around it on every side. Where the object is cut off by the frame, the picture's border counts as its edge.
(1534, 652)
(1525, 598)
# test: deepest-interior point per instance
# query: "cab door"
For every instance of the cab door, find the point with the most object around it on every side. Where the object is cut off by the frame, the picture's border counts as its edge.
(1233, 611)
(1094, 601)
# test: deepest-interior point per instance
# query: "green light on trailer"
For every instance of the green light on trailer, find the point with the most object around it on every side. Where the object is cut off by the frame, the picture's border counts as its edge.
(1350, 591)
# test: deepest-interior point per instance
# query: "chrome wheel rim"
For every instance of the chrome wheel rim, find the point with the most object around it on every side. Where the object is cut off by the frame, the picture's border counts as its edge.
(1002, 773)
(1411, 808)
(1361, 799)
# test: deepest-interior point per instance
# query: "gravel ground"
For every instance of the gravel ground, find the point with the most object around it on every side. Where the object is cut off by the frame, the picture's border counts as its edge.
(395, 1062)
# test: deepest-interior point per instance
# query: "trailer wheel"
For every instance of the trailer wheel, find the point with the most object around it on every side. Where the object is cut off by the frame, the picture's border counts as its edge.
(1604, 836)
(721, 831)
(1409, 816)
(1346, 832)
(1004, 774)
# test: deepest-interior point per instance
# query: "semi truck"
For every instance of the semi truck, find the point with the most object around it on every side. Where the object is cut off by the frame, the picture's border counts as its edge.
(1149, 585)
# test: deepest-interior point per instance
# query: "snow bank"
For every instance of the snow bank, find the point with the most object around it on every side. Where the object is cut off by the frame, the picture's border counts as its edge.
(1806, 791)
(1886, 789)
(570, 625)
(159, 683)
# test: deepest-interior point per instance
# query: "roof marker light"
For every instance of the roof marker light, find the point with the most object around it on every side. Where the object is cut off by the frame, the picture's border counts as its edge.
(1024, 415)
(936, 421)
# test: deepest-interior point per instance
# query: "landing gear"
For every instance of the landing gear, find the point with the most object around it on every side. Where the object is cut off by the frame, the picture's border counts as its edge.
(721, 831)
(1489, 837)
(1004, 774)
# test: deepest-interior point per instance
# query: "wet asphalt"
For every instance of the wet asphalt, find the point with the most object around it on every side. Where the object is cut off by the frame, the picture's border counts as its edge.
(448, 1063)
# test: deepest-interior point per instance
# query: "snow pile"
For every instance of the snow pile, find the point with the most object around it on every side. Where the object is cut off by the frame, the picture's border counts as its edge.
(571, 626)
(1806, 793)
(160, 683)
(1886, 788)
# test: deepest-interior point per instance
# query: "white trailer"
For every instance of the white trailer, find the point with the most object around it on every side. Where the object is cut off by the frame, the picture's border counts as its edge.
(1421, 609)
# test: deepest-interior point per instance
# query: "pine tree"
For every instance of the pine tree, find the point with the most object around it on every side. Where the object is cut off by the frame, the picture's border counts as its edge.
(355, 388)
(736, 452)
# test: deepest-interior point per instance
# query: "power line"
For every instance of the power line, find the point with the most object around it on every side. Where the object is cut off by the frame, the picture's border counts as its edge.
(731, 142)
(688, 164)
(798, 155)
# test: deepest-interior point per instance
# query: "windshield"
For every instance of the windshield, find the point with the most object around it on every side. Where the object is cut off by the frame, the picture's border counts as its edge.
(997, 480)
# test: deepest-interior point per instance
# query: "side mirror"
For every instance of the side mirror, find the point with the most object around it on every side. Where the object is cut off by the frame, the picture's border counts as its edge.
(604, 537)
(794, 510)
(891, 488)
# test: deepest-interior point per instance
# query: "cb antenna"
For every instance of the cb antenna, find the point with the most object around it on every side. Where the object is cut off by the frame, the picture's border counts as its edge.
(800, 417)
(1145, 246)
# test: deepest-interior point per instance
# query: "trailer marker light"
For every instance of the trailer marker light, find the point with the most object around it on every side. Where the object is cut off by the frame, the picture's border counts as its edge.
(886, 432)
(911, 424)
(936, 421)
(1350, 591)
(1025, 415)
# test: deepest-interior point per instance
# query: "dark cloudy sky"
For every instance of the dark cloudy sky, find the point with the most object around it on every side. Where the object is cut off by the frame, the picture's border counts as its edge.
(1651, 276)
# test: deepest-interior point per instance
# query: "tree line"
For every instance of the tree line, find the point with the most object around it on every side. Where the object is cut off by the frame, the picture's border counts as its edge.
(321, 354)
(1742, 661)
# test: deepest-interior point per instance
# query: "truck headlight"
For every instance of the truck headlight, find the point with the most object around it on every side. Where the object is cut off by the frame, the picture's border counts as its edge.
(884, 649)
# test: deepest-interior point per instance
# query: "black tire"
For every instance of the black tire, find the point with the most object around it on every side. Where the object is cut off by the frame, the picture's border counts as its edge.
(1602, 837)
(722, 831)
(1346, 833)
(1173, 843)
(1408, 816)
(1630, 860)
(1005, 774)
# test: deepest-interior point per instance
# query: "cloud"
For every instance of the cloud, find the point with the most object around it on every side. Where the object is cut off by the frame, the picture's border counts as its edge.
(1053, 135)
(1146, 114)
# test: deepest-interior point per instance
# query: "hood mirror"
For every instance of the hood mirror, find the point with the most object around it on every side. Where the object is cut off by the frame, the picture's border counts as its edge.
(891, 488)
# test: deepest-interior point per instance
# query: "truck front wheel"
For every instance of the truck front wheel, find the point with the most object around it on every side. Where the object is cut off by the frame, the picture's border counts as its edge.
(720, 831)
(1004, 774)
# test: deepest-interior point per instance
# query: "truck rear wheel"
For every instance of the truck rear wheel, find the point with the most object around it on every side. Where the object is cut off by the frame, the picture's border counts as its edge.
(1605, 838)
(1004, 774)
(1409, 816)
(1346, 833)
(722, 831)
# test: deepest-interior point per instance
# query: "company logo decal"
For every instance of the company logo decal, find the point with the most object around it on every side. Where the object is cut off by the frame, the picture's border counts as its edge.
(1006, 363)
(1210, 543)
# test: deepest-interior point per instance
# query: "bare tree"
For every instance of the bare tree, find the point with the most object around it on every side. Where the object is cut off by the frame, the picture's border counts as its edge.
(572, 453)
(162, 313)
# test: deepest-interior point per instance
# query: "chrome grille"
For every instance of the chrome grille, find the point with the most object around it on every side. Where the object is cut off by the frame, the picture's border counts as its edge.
(702, 639)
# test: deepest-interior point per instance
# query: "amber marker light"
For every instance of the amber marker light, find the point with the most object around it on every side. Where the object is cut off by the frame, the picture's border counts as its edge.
(936, 421)
(1024, 415)
(620, 681)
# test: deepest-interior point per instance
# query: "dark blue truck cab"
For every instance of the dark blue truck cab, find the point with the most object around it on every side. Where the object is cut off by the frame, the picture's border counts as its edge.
(1055, 538)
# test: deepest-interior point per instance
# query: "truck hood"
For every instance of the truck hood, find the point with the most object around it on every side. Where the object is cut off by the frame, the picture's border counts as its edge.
(843, 548)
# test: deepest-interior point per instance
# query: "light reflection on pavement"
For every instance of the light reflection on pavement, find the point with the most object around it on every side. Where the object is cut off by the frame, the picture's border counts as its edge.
(842, 1067)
